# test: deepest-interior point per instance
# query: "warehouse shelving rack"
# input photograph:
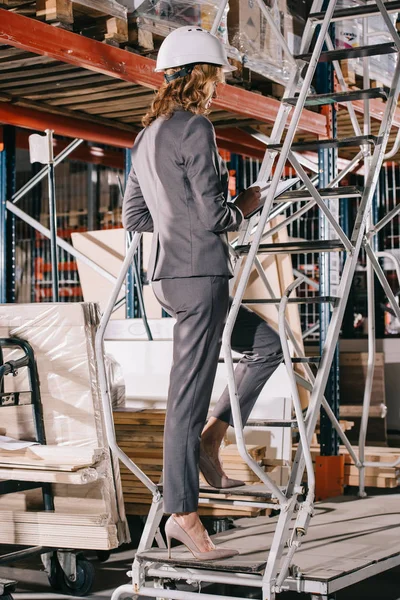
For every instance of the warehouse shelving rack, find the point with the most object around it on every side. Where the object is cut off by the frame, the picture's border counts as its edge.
(295, 505)
(114, 63)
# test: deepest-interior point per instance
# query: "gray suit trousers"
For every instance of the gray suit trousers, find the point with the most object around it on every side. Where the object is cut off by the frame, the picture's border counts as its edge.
(200, 306)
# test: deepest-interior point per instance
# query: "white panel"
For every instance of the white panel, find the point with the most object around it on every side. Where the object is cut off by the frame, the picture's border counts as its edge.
(146, 366)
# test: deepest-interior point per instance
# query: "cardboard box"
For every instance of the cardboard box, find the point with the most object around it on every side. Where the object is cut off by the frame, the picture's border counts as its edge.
(244, 25)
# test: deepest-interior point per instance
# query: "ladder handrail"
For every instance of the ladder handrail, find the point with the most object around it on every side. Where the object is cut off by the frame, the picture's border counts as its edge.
(103, 382)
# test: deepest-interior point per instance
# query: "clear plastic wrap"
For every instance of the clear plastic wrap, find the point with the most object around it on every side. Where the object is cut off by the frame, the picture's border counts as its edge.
(244, 30)
(58, 334)
(361, 32)
(62, 338)
(116, 381)
(164, 15)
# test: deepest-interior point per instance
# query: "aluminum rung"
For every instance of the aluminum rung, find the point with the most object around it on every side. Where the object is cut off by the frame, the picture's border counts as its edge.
(309, 300)
(350, 191)
(349, 96)
(272, 423)
(331, 143)
(357, 52)
(295, 247)
(356, 11)
(307, 359)
(258, 491)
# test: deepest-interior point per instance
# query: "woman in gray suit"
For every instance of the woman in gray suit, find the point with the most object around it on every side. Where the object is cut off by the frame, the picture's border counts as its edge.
(178, 189)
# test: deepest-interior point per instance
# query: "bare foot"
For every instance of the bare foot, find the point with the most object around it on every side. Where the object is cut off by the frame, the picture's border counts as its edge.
(191, 523)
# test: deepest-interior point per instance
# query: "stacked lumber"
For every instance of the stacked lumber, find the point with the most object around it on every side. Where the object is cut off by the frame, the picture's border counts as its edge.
(62, 530)
(379, 477)
(140, 436)
(85, 479)
(236, 468)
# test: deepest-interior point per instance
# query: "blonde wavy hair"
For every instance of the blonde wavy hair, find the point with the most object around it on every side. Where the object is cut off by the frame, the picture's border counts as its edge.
(190, 92)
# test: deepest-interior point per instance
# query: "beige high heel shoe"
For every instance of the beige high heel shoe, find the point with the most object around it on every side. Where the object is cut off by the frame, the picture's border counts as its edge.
(209, 471)
(174, 531)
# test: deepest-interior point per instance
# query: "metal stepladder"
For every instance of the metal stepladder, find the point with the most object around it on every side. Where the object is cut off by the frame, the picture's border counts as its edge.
(152, 569)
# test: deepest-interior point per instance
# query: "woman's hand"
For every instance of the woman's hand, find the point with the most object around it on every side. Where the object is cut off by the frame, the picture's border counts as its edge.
(249, 200)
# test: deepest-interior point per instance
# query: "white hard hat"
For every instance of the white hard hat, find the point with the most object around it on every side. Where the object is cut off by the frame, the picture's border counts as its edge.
(189, 46)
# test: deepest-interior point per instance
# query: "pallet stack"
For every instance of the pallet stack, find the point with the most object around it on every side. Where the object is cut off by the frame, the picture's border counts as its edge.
(140, 436)
(376, 477)
(104, 20)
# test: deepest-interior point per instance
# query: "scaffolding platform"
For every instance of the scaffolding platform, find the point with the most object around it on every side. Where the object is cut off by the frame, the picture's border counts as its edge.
(349, 540)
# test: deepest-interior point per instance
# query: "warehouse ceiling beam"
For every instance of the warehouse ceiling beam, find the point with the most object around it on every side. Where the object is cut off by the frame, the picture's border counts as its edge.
(40, 38)
(39, 120)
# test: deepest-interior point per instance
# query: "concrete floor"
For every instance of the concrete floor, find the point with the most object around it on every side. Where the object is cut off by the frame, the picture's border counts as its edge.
(33, 583)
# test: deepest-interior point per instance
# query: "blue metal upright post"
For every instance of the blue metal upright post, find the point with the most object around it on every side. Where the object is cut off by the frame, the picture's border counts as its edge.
(329, 267)
(131, 301)
(7, 221)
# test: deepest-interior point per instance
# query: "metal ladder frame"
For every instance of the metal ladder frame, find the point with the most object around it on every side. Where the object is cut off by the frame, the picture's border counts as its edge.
(277, 567)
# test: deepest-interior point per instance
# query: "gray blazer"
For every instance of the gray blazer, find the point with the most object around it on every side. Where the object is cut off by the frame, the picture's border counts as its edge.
(178, 188)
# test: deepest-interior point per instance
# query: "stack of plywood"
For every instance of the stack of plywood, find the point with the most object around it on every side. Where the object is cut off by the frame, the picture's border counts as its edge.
(140, 436)
(77, 461)
(379, 477)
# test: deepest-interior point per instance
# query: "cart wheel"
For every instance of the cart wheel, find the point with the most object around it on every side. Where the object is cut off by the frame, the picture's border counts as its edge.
(102, 555)
(83, 584)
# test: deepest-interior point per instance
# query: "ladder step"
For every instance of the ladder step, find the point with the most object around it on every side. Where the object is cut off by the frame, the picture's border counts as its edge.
(307, 360)
(357, 52)
(356, 11)
(309, 300)
(350, 191)
(295, 247)
(273, 423)
(258, 490)
(330, 143)
(349, 96)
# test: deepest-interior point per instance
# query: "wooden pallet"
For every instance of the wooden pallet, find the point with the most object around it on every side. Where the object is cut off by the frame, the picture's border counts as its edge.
(379, 477)
(104, 20)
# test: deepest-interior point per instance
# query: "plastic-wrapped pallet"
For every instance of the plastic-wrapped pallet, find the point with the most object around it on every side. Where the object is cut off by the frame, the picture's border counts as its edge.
(243, 29)
(165, 15)
(362, 32)
(62, 338)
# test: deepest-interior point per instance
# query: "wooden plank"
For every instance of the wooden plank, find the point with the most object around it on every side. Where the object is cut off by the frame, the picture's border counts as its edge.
(52, 518)
(54, 457)
(79, 477)
(379, 482)
(55, 10)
